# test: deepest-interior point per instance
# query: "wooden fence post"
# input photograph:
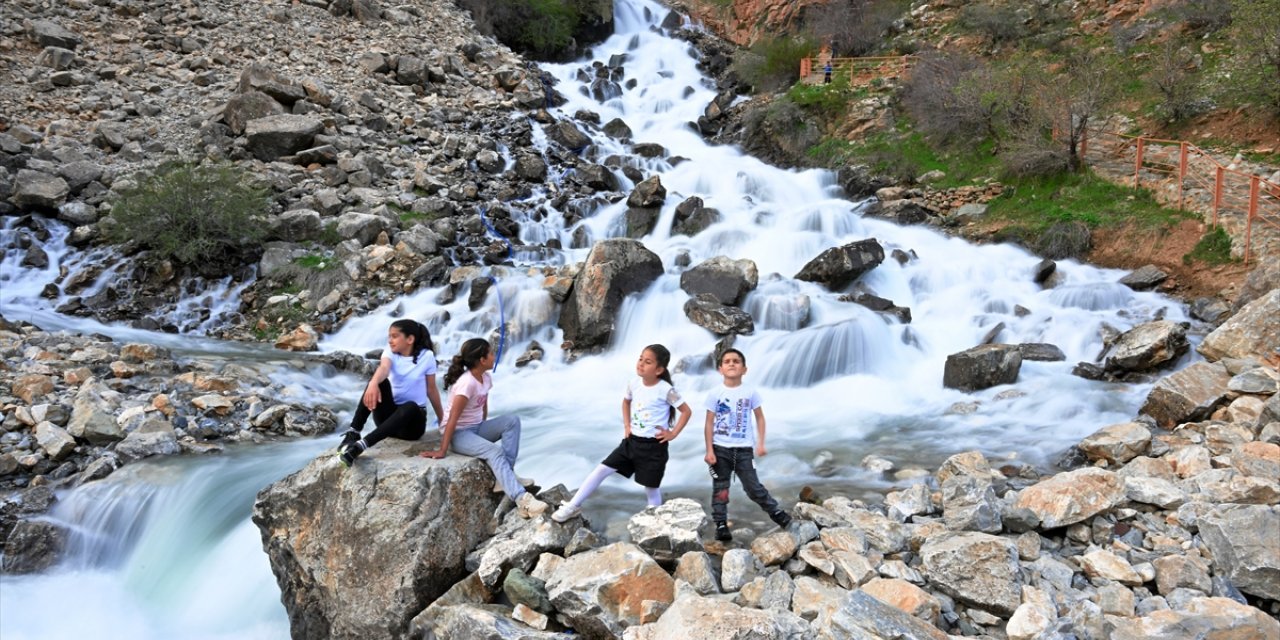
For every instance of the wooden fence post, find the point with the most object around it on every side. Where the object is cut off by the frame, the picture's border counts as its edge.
(1255, 184)
(1217, 193)
(1137, 165)
(1182, 172)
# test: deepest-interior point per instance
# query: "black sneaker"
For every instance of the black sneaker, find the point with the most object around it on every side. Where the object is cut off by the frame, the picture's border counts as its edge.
(347, 438)
(722, 532)
(781, 518)
(350, 453)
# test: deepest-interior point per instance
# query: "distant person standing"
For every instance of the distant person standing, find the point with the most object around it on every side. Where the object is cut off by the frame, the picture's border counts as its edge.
(826, 73)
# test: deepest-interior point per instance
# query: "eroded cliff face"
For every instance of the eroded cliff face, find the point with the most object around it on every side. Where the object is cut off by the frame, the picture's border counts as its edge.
(743, 22)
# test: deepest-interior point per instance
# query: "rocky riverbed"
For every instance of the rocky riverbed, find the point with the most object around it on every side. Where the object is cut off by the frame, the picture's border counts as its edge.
(1168, 528)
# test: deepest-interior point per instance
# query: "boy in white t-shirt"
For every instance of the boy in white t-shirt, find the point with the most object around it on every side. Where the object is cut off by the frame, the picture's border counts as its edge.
(735, 424)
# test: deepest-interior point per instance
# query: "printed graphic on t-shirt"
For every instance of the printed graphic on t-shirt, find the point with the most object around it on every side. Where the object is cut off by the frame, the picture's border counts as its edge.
(733, 418)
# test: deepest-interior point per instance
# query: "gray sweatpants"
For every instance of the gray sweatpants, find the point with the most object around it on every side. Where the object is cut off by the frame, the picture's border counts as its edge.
(482, 441)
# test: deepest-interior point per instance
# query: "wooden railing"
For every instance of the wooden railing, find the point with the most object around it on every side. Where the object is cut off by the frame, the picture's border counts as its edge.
(858, 71)
(1252, 199)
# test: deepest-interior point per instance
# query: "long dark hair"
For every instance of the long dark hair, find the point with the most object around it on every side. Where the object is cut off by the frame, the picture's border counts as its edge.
(663, 356)
(472, 352)
(418, 331)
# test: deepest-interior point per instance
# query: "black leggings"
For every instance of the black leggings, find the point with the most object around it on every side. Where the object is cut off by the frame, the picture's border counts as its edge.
(404, 421)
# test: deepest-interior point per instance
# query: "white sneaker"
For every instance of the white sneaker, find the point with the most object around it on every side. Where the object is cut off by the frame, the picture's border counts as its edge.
(497, 486)
(529, 506)
(524, 482)
(566, 512)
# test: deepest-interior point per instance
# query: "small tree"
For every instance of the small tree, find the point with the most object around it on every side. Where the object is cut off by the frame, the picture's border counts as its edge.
(200, 216)
(955, 99)
(1256, 34)
(1175, 79)
(853, 27)
(1063, 106)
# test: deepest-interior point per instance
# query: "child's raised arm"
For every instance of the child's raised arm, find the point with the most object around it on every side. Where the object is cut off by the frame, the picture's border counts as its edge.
(760, 450)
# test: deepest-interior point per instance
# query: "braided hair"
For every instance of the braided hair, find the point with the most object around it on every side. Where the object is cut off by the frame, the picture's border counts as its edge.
(472, 352)
(418, 331)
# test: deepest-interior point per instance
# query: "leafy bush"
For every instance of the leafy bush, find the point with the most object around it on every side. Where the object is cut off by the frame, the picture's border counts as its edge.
(827, 99)
(773, 62)
(1256, 32)
(999, 23)
(1177, 85)
(1202, 16)
(1066, 239)
(203, 216)
(544, 29)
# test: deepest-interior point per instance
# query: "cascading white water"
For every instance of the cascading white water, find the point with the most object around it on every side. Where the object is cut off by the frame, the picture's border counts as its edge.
(835, 376)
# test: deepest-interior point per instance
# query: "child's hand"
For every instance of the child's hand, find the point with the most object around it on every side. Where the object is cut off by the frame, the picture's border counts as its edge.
(761, 451)
(666, 435)
(710, 457)
(433, 454)
(372, 396)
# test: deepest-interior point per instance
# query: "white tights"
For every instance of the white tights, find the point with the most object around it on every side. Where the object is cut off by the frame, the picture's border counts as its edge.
(597, 476)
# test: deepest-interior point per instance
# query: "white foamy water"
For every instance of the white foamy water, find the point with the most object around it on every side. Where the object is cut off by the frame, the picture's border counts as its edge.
(834, 376)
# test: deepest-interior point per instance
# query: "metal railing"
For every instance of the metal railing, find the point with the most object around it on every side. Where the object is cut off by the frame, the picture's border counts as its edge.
(1224, 192)
(859, 71)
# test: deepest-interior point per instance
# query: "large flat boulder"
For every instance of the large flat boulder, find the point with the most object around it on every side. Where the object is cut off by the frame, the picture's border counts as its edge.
(1253, 331)
(1071, 497)
(838, 267)
(395, 526)
(271, 137)
(725, 279)
(981, 367)
(1245, 542)
(1148, 346)
(1188, 395)
(1219, 618)
(978, 569)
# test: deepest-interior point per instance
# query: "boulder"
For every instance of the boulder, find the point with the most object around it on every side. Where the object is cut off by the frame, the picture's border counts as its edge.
(39, 189)
(704, 311)
(905, 597)
(903, 212)
(1148, 346)
(1219, 618)
(614, 269)
(394, 524)
(91, 418)
(33, 546)
(859, 615)
(691, 217)
(1118, 443)
(975, 568)
(567, 134)
(517, 545)
(1262, 280)
(1253, 331)
(479, 622)
(858, 181)
(838, 267)
(1188, 395)
(363, 227)
(245, 107)
(737, 568)
(600, 593)
(696, 568)
(530, 168)
(298, 225)
(693, 616)
(271, 137)
(1144, 279)
(982, 367)
(649, 194)
(1071, 497)
(54, 441)
(48, 33)
(1242, 539)
(1041, 352)
(155, 437)
(302, 338)
(969, 503)
(727, 280)
(641, 222)
(669, 531)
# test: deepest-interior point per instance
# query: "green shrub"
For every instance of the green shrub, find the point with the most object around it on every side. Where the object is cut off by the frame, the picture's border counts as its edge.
(1202, 16)
(542, 28)
(1256, 34)
(1063, 240)
(999, 23)
(774, 62)
(1214, 247)
(203, 216)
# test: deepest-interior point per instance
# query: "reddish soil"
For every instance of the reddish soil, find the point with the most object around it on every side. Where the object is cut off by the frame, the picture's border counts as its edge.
(1132, 247)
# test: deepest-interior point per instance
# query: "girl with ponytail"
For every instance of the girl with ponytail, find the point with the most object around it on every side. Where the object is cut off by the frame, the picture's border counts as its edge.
(648, 406)
(398, 393)
(470, 430)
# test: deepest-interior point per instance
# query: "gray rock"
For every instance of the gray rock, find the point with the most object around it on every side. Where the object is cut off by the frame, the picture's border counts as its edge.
(614, 269)
(859, 615)
(1188, 395)
(719, 319)
(54, 440)
(1253, 331)
(478, 622)
(1242, 539)
(838, 267)
(48, 33)
(982, 367)
(695, 568)
(970, 504)
(33, 546)
(1211, 310)
(1041, 352)
(975, 568)
(155, 437)
(530, 168)
(318, 522)
(1148, 346)
(56, 58)
(245, 107)
(363, 227)
(1144, 279)
(1044, 270)
(737, 568)
(1117, 443)
(669, 531)
(727, 280)
(649, 194)
(693, 616)
(1254, 381)
(617, 129)
(600, 593)
(903, 212)
(565, 133)
(272, 137)
(412, 70)
(39, 189)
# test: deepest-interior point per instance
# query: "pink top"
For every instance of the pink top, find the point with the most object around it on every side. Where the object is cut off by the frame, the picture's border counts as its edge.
(476, 393)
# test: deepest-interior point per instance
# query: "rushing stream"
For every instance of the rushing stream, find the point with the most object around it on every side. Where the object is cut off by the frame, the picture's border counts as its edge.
(166, 549)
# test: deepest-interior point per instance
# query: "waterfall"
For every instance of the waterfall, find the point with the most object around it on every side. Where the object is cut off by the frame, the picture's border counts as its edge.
(165, 549)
